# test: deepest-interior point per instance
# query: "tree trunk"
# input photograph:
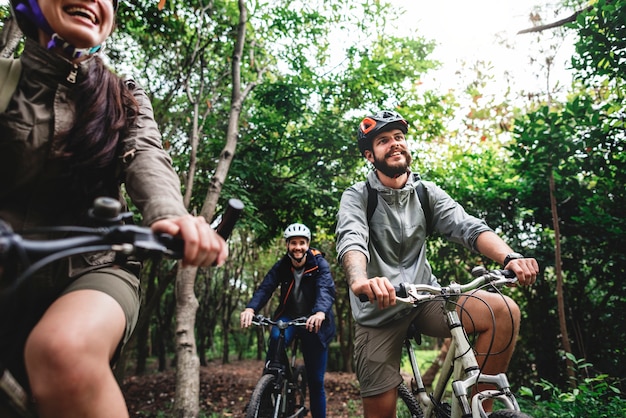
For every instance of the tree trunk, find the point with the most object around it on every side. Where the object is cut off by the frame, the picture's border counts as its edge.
(429, 376)
(187, 398)
(559, 282)
(188, 365)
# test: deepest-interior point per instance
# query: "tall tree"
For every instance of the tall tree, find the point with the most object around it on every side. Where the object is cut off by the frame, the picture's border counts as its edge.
(580, 143)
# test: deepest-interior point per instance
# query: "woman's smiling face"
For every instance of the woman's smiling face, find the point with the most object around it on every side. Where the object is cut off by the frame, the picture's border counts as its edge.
(82, 23)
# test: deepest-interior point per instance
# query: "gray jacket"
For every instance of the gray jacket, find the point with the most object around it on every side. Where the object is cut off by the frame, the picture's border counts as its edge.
(30, 194)
(394, 241)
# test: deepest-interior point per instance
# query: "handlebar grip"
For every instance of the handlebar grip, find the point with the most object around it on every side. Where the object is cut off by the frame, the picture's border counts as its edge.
(509, 274)
(399, 289)
(174, 244)
(227, 223)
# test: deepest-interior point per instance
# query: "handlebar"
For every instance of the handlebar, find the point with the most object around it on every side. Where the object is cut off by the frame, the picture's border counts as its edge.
(125, 240)
(415, 293)
(263, 320)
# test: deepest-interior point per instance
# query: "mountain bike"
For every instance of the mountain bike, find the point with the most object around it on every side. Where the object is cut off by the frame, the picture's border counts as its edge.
(20, 258)
(460, 370)
(281, 391)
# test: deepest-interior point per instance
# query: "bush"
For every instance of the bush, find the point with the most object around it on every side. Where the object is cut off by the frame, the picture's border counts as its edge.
(595, 396)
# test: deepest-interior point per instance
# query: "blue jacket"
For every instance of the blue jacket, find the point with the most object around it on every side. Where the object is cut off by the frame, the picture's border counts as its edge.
(318, 288)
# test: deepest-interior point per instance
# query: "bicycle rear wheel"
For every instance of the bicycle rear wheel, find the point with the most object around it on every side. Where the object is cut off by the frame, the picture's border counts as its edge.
(263, 401)
(300, 395)
(409, 400)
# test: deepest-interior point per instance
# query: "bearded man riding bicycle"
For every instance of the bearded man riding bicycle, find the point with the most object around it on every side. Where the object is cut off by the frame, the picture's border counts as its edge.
(306, 289)
(389, 248)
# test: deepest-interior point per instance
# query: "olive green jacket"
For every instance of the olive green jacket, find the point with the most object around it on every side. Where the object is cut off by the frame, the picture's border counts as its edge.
(31, 192)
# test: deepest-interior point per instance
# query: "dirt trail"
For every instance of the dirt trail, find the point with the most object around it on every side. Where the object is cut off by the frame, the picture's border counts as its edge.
(225, 390)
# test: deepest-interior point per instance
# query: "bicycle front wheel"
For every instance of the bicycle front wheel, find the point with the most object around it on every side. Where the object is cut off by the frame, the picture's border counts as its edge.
(508, 413)
(409, 400)
(264, 399)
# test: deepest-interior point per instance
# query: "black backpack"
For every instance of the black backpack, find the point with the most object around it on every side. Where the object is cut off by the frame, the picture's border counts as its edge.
(422, 194)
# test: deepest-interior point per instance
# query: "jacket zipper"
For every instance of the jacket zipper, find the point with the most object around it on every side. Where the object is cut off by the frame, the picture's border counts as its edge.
(71, 77)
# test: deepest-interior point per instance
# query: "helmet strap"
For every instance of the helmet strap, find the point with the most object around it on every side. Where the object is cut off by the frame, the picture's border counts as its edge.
(57, 42)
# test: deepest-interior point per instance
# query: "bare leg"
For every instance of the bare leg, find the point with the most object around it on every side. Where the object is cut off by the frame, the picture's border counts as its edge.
(381, 406)
(68, 353)
(495, 337)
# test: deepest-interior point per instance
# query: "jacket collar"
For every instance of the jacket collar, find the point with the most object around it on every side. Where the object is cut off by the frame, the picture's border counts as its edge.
(51, 67)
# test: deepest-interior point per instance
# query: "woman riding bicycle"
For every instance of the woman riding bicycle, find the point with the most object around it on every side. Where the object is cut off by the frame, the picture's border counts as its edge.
(307, 289)
(72, 131)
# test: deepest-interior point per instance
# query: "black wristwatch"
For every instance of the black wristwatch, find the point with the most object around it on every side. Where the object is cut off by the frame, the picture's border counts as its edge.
(512, 256)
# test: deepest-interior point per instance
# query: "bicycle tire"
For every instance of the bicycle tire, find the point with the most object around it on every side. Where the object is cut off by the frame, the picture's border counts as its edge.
(508, 413)
(409, 400)
(300, 380)
(263, 400)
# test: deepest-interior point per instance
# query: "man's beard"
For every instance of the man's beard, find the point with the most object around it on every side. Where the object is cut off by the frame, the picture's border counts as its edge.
(294, 258)
(393, 171)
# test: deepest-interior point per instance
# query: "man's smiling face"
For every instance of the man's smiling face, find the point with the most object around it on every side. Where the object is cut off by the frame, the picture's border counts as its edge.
(389, 153)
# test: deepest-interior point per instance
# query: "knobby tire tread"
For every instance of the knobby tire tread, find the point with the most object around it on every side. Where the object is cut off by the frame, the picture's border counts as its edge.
(507, 413)
(409, 400)
(262, 402)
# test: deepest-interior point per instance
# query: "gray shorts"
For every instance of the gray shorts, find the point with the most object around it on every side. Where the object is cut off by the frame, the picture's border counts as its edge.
(378, 350)
(120, 284)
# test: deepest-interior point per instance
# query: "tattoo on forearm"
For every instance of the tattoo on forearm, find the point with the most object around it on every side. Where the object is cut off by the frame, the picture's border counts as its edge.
(354, 266)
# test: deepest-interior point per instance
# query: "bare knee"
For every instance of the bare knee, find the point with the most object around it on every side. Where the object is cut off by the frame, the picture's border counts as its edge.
(381, 406)
(507, 314)
(55, 363)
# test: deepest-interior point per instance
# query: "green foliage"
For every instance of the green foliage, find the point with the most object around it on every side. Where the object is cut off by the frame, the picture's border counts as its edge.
(580, 142)
(601, 48)
(591, 396)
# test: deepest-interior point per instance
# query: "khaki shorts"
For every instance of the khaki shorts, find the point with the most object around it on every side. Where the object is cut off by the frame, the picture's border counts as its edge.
(120, 284)
(378, 350)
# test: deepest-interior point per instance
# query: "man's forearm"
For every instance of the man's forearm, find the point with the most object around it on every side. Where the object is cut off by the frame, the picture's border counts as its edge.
(354, 266)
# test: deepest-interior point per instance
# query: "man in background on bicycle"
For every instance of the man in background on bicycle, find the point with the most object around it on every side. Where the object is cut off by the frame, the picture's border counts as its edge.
(306, 289)
(72, 131)
(389, 248)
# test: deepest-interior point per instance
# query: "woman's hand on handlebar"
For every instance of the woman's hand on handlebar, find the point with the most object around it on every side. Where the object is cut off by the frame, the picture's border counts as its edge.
(203, 246)
(377, 289)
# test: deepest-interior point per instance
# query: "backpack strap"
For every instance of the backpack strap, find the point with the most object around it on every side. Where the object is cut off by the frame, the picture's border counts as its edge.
(422, 194)
(372, 200)
(10, 70)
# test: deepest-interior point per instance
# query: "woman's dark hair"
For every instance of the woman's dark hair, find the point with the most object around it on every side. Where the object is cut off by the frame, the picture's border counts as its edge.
(105, 110)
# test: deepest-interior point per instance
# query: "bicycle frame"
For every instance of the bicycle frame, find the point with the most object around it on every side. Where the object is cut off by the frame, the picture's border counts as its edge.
(461, 365)
(283, 368)
(285, 384)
